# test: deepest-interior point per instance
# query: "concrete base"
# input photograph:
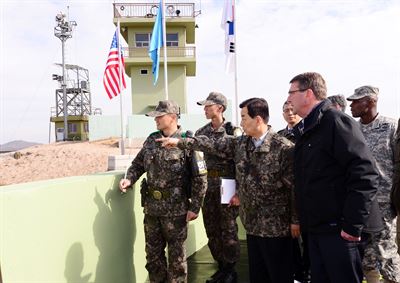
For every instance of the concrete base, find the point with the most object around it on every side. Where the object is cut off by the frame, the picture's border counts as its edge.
(119, 162)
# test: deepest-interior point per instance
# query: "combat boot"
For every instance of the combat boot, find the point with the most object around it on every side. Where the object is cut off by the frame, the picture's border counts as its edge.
(230, 277)
(218, 275)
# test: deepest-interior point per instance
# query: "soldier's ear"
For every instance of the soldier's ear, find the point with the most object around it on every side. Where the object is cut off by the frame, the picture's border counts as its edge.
(372, 101)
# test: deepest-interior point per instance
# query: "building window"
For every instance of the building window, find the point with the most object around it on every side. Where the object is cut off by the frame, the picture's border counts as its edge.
(143, 72)
(172, 39)
(142, 39)
(72, 128)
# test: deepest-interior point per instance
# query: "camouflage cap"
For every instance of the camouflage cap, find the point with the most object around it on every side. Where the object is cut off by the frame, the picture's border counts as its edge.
(214, 98)
(364, 91)
(164, 107)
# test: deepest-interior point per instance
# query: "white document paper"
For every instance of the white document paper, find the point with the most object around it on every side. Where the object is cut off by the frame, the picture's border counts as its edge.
(228, 190)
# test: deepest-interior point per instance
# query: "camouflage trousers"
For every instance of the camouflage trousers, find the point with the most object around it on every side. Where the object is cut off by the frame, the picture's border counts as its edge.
(381, 249)
(220, 224)
(161, 232)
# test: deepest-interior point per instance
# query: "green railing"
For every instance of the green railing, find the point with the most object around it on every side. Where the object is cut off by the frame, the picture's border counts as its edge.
(172, 51)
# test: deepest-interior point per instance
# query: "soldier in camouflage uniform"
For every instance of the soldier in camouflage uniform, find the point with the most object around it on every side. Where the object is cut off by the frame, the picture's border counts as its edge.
(219, 219)
(379, 132)
(266, 195)
(167, 207)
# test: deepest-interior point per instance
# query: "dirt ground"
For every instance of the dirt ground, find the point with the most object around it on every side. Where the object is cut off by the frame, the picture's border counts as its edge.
(61, 159)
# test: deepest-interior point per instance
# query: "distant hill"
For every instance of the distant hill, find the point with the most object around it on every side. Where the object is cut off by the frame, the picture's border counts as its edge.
(16, 145)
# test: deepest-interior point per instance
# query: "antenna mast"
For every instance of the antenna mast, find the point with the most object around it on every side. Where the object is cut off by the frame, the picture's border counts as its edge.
(63, 31)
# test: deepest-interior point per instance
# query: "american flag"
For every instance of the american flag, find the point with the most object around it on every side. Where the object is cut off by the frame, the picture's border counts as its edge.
(111, 77)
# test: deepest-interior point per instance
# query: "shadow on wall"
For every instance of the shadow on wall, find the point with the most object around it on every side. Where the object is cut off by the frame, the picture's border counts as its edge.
(114, 235)
(74, 265)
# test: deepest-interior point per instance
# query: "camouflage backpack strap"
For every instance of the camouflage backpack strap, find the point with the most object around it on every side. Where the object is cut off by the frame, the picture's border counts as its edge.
(195, 165)
(228, 128)
(154, 133)
(151, 139)
(232, 130)
(187, 168)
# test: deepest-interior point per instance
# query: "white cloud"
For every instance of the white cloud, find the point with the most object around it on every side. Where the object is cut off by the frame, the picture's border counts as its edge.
(351, 43)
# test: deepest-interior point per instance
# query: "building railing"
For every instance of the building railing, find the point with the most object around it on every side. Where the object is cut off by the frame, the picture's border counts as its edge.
(150, 10)
(134, 52)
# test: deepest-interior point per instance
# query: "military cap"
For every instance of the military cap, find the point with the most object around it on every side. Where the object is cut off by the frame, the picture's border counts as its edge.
(364, 91)
(164, 107)
(214, 98)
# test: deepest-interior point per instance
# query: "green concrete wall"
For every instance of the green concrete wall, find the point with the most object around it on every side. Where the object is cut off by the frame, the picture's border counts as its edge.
(76, 230)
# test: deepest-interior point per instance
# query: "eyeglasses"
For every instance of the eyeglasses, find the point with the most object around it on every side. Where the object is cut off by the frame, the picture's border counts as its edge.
(297, 90)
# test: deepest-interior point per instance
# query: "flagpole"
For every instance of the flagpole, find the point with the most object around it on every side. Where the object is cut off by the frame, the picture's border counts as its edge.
(236, 79)
(165, 50)
(120, 93)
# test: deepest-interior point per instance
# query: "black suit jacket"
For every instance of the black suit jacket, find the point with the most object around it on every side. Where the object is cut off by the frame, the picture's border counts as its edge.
(335, 175)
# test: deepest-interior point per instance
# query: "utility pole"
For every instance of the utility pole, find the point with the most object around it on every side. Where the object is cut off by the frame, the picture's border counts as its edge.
(63, 31)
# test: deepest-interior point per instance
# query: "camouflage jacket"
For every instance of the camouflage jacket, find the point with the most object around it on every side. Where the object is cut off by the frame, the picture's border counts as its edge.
(264, 177)
(380, 137)
(225, 167)
(167, 172)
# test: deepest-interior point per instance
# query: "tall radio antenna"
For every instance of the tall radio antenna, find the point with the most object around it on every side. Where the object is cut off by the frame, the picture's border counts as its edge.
(63, 31)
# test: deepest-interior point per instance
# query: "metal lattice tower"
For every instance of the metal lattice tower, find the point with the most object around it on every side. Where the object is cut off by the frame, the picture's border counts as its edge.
(77, 90)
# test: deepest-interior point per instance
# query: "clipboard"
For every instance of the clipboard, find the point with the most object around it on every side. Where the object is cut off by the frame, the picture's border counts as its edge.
(228, 190)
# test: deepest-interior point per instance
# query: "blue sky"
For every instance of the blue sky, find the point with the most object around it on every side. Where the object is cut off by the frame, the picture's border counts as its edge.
(351, 43)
